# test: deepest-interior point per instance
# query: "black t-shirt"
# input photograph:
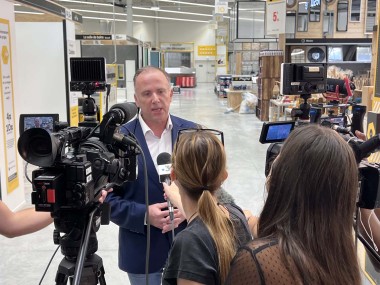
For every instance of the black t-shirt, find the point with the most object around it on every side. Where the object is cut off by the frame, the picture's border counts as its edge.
(193, 256)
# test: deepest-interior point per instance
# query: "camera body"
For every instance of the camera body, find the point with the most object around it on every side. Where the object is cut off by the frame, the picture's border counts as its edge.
(71, 183)
(303, 79)
(73, 180)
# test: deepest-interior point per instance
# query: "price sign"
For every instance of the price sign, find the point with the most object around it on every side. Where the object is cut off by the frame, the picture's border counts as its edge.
(221, 7)
(275, 17)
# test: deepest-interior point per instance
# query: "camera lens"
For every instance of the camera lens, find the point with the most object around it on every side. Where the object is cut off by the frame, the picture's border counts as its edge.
(40, 146)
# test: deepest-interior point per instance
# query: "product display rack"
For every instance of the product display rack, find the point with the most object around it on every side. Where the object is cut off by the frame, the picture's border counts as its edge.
(223, 82)
(270, 72)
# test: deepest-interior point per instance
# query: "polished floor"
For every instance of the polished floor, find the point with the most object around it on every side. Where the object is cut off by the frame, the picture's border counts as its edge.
(24, 259)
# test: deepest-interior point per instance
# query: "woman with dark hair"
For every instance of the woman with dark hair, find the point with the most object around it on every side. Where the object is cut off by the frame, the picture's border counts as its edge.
(305, 233)
(201, 253)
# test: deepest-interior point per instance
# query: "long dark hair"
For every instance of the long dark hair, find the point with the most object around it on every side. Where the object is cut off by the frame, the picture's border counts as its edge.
(310, 205)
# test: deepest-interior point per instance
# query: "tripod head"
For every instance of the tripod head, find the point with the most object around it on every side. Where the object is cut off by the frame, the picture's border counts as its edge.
(304, 109)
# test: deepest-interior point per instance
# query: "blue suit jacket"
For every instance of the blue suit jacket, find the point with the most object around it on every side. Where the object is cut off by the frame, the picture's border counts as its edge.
(128, 209)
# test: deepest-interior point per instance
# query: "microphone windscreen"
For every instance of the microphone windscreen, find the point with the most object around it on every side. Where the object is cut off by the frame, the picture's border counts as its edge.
(164, 163)
(331, 84)
(129, 110)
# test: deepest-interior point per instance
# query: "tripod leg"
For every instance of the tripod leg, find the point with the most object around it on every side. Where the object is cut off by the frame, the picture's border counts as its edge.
(61, 279)
(102, 280)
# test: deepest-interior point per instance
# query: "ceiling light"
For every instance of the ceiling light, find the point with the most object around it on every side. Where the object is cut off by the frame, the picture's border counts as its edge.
(142, 16)
(171, 11)
(155, 8)
(109, 19)
(187, 3)
(89, 3)
(26, 12)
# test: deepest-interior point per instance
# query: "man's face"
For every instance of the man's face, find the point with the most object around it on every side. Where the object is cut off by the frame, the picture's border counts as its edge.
(153, 95)
(37, 122)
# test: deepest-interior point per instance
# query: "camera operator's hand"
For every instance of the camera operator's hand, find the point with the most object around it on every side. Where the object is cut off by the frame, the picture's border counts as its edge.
(360, 135)
(103, 196)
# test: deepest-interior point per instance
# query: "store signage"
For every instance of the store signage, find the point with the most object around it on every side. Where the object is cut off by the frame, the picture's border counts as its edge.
(221, 6)
(206, 51)
(93, 37)
(177, 46)
(329, 41)
(275, 17)
(9, 153)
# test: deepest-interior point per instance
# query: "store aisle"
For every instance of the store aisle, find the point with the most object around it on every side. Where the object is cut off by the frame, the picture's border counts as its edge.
(24, 259)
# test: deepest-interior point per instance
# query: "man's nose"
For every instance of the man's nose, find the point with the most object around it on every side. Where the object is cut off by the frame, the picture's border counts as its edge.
(155, 98)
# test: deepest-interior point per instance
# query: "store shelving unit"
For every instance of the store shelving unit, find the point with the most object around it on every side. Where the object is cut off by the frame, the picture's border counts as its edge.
(270, 72)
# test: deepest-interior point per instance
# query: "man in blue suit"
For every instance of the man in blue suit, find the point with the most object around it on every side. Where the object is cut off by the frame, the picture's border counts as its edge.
(156, 131)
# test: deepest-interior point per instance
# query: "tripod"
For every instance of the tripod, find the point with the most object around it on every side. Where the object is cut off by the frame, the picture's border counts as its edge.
(304, 109)
(93, 271)
(87, 268)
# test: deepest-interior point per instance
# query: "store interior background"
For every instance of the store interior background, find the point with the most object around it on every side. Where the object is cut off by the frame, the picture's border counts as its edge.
(39, 50)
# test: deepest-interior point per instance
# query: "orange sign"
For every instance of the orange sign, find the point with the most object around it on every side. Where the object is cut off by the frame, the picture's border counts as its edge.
(206, 51)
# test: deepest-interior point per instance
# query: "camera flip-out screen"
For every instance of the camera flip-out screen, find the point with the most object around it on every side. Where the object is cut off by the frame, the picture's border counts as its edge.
(45, 121)
(335, 120)
(276, 131)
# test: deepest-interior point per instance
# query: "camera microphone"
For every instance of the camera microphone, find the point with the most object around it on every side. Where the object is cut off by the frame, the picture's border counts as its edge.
(126, 140)
(123, 112)
(333, 84)
(164, 163)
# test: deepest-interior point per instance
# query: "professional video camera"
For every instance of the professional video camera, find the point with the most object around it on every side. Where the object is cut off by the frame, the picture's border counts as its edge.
(369, 176)
(303, 80)
(276, 132)
(75, 164)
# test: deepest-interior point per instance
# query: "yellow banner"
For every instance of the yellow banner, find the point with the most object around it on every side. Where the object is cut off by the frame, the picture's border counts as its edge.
(7, 105)
(206, 51)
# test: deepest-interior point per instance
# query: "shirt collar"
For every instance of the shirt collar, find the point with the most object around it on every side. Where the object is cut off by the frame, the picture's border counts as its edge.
(145, 128)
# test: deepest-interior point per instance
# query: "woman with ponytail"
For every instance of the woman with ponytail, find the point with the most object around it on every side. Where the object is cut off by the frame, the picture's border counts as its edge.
(201, 253)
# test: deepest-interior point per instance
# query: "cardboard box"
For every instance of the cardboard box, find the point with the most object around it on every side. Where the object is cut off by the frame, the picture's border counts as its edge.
(367, 96)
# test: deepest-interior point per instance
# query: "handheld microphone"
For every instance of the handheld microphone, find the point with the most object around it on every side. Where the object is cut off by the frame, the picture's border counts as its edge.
(123, 112)
(164, 163)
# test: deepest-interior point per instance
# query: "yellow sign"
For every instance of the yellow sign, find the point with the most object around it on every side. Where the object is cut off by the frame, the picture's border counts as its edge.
(74, 116)
(206, 51)
(7, 107)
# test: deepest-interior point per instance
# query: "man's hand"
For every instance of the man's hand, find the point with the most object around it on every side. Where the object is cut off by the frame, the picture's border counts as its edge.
(157, 216)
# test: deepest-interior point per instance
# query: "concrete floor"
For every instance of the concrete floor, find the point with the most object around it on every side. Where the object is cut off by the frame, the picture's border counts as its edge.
(24, 259)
